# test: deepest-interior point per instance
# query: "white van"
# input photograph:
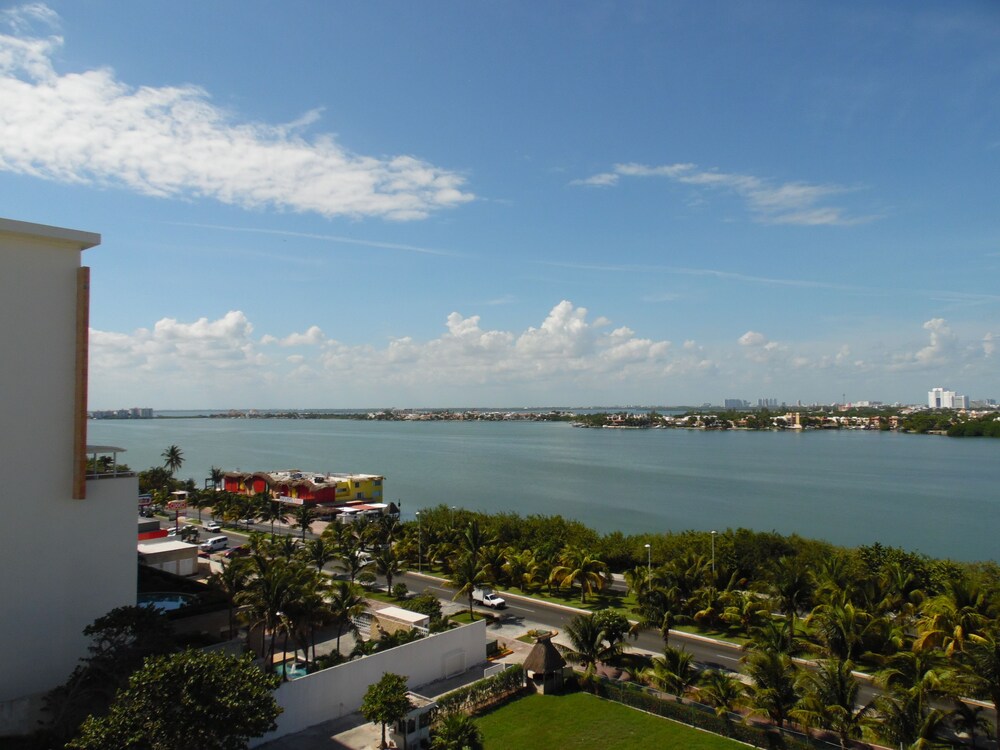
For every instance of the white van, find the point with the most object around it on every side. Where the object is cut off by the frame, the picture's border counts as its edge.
(214, 544)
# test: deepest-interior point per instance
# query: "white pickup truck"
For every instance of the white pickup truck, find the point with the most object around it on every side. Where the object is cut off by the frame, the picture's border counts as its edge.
(487, 598)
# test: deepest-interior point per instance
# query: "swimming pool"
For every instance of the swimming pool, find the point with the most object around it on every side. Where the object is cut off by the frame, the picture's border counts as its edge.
(165, 601)
(292, 669)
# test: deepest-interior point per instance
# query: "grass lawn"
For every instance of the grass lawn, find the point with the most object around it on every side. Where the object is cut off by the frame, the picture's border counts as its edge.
(583, 722)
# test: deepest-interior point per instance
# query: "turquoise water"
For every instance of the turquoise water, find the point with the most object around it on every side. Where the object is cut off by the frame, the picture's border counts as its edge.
(292, 669)
(925, 493)
(165, 602)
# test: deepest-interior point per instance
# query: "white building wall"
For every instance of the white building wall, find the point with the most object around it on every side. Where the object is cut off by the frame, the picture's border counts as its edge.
(338, 691)
(64, 561)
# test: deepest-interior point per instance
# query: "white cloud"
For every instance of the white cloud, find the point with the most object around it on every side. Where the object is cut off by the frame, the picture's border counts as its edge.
(605, 179)
(752, 338)
(173, 141)
(565, 358)
(768, 202)
(313, 336)
(942, 344)
(172, 347)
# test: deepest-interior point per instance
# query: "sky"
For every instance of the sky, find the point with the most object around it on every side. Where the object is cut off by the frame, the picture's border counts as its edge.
(397, 204)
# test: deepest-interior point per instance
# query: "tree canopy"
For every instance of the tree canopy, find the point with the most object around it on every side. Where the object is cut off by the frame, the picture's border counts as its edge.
(386, 701)
(188, 700)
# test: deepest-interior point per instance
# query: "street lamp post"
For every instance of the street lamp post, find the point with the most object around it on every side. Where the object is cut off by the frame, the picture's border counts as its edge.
(649, 561)
(713, 552)
(420, 545)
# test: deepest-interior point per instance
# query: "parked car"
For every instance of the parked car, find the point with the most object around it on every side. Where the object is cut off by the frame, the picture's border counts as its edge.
(214, 544)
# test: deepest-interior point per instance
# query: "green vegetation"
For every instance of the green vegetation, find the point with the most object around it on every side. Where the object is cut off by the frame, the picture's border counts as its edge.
(211, 701)
(927, 628)
(584, 722)
(386, 701)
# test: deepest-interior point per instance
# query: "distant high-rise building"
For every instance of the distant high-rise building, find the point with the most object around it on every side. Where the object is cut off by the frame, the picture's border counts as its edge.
(736, 403)
(767, 402)
(939, 398)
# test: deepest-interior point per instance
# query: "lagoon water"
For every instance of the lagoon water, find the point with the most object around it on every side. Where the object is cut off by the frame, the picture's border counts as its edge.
(924, 493)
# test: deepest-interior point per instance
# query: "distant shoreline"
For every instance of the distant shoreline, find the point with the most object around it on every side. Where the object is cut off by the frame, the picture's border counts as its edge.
(908, 421)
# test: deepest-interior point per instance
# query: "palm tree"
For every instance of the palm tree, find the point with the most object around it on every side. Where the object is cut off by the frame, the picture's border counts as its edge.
(770, 635)
(352, 561)
(173, 459)
(215, 474)
(659, 607)
(792, 588)
(835, 575)
(673, 672)
(285, 547)
(829, 700)
(578, 566)
(901, 592)
(521, 569)
(200, 500)
(947, 620)
(304, 516)
(456, 731)
(387, 565)
(266, 596)
(473, 539)
(274, 511)
(231, 581)
(320, 552)
(980, 672)
(772, 691)
(308, 611)
(466, 576)
(346, 603)
(911, 681)
(744, 610)
(589, 642)
(720, 690)
(842, 628)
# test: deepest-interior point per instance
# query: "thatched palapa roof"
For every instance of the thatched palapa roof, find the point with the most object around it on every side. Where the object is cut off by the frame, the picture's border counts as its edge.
(544, 657)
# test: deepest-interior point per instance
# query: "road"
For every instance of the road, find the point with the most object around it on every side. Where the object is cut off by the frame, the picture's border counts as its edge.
(521, 611)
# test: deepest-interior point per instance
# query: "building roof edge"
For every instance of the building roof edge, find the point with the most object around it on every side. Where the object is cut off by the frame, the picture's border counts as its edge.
(81, 240)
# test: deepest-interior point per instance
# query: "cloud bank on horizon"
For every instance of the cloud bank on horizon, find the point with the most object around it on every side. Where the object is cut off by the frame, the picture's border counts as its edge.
(174, 142)
(466, 360)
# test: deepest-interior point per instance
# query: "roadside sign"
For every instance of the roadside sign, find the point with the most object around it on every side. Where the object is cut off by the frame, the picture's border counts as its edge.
(176, 505)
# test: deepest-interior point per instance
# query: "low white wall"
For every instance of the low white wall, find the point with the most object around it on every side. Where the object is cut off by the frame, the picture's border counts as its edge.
(339, 690)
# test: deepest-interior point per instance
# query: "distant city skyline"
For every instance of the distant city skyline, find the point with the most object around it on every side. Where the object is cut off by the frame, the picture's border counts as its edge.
(341, 205)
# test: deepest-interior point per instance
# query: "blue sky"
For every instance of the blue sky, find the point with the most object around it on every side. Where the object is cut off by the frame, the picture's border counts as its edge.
(502, 204)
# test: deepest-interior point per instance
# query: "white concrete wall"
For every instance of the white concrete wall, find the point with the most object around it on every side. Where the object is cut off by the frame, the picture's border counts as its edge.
(64, 562)
(338, 691)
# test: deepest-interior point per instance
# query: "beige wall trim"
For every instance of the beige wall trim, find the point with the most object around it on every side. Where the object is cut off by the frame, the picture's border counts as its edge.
(80, 386)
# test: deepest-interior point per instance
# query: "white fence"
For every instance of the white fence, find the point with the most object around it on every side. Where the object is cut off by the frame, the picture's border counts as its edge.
(338, 691)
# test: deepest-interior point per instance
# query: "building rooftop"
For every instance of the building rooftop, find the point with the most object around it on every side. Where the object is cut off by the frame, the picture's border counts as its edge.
(163, 545)
(74, 237)
(403, 615)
